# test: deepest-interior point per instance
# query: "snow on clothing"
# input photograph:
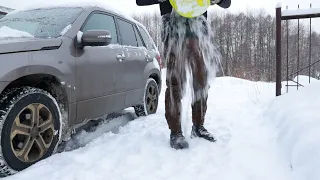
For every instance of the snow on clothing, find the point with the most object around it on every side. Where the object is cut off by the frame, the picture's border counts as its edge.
(178, 55)
(183, 40)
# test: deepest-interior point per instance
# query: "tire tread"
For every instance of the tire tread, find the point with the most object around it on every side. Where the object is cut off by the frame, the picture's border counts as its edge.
(140, 109)
(8, 99)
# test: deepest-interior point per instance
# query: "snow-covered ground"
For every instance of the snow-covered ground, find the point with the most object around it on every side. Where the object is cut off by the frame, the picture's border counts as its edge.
(297, 118)
(260, 137)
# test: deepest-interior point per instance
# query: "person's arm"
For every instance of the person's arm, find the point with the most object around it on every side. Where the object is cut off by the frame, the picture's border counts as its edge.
(148, 2)
(222, 3)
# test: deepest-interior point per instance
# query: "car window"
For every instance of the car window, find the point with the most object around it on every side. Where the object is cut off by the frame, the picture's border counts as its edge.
(140, 43)
(42, 22)
(128, 36)
(102, 22)
(146, 39)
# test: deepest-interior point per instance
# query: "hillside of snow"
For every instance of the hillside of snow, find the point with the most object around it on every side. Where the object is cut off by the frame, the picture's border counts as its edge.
(260, 137)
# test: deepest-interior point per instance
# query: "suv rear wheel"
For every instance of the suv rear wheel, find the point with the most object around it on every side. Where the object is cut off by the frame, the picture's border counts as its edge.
(150, 99)
(30, 128)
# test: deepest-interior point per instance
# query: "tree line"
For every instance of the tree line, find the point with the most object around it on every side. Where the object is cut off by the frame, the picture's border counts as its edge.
(246, 42)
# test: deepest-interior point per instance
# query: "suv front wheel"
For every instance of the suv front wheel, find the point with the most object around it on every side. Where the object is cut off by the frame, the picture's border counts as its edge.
(30, 128)
(150, 99)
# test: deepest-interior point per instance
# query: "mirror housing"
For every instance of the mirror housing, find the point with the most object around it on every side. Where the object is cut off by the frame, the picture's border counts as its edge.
(94, 38)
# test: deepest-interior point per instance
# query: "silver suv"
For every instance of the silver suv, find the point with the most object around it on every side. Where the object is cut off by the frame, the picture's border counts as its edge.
(64, 66)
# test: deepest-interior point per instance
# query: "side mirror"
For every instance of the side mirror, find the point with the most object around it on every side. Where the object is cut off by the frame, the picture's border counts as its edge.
(94, 38)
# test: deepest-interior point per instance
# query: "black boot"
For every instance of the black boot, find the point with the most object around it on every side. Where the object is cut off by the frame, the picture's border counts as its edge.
(177, 141)
(201, 132)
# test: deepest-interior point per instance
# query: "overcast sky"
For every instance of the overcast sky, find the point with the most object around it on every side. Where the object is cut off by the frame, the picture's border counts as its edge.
(129, 6)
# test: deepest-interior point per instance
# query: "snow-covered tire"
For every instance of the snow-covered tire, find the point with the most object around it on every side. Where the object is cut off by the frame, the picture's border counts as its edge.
(150, 99)
(18, 128)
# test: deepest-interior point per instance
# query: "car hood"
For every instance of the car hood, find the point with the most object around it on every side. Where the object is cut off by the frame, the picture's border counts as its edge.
(12, 45)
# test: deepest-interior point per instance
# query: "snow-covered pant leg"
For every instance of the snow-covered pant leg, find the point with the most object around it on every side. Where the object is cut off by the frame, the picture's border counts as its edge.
(199, 109)
(173, 96)
(175, 74)
(181, 52)
(200, 82)
(199, 72)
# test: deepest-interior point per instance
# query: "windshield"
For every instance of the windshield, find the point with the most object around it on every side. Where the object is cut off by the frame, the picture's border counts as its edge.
(41, 23)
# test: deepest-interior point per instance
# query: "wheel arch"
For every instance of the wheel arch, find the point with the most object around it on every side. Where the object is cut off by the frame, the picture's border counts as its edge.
(156, 75)
(47, 82)
(13, 96)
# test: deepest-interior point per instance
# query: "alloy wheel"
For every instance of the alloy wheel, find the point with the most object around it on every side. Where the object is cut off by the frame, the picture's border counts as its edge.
(32, 132)
(152, 98)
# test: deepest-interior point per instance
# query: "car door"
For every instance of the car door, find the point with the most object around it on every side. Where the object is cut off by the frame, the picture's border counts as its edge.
(135, 61)
(96, 69)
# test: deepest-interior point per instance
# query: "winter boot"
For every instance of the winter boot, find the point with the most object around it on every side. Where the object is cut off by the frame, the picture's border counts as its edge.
(201, 132)
(177, 141)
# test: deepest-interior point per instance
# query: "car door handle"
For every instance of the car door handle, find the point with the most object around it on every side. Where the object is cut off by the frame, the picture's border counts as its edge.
(120, 56)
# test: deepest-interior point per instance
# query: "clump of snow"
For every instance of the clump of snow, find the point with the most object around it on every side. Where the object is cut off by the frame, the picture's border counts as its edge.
(298, 12)
(6, 32)
(296, 115)
(79, 36)
(5, 9)
(279, 5)
(65, 30)
(115, 46)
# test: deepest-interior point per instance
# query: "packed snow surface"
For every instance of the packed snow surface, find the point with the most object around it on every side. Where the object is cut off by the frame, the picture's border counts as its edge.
(6, 32)
(260, 137)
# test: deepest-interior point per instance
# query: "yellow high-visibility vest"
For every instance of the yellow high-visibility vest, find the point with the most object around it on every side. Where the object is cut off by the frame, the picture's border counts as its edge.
(190, 8)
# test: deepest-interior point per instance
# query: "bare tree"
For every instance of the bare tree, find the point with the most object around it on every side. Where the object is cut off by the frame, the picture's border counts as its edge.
(246, 42)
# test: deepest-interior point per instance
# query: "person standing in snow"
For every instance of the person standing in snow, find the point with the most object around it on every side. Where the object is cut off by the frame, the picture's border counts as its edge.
(177, 55)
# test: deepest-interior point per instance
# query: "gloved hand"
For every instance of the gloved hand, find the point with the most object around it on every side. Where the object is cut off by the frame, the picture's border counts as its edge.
(213, 2)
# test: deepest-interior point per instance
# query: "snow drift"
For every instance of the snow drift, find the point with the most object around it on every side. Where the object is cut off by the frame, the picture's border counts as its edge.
(297, 117)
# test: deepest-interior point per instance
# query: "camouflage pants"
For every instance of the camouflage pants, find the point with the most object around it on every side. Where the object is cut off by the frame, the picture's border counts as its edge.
(181, 52)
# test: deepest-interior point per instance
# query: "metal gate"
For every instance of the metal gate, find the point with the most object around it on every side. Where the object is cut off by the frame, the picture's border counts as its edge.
(283, 29)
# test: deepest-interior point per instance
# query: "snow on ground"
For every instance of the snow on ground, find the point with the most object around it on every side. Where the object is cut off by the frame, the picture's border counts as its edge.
(256, 141)
(296, 116)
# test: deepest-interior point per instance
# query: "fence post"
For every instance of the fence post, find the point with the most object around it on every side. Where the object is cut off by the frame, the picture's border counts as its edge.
(278, 51)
